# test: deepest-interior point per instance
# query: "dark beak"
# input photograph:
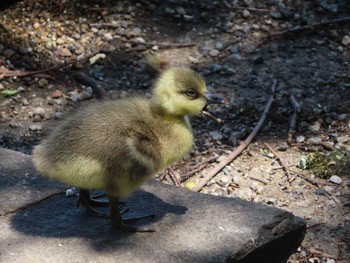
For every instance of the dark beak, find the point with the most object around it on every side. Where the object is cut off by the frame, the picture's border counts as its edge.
(213, 99)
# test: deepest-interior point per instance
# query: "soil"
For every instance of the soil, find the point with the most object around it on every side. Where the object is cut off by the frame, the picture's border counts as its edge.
(240, 47)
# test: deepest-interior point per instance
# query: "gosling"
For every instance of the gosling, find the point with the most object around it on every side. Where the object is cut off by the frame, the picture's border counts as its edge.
(117, 145)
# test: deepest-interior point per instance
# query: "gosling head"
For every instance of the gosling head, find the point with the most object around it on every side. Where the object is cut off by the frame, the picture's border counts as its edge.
(180, 92)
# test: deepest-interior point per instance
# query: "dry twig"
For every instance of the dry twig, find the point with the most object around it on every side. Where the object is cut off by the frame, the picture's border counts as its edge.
(258, 179)
(162, 45)
(303, 28)
(216, 169)
(173, 176)
(97, 88)
(197, 168)
(293, 120)
(279, 159)
(320, 253)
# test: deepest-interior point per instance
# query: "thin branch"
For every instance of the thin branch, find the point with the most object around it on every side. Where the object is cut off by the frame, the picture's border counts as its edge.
(279, 159)
(320, 253)
(303, 28)
(197, 168)
(293, 119)
(96, 87)
(258, 179)
(240, 148)
(173, 176)
(162, 45)
(251, 9)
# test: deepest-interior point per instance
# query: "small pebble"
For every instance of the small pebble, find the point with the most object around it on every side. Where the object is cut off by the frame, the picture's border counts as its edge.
(315, 140)
(300, 139)
(215, 135)
(39, 111)
(35, 127)
(335, 179)
(218, 45)
(315, 127)
(346, 40)
(245, 13)
(214, 52)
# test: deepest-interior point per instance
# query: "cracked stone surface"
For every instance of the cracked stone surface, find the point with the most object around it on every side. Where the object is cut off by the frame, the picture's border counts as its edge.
(40, 225)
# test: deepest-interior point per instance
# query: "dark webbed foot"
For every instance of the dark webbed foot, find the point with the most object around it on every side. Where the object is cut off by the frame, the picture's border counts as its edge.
(90, 202)
(120, 223)
(116, 210)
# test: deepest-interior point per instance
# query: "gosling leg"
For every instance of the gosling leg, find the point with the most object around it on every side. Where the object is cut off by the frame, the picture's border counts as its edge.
(88, 202)
(117, 220)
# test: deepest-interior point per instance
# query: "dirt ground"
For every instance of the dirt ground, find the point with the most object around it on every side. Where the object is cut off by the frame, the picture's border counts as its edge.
(240, 47)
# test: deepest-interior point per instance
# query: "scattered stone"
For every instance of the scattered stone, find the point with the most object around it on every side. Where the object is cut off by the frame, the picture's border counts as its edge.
(39, 111)
(219, 45)
(193, 60)
(188, 18)
(42, 83)
(300, 139)
(342, 139)
(315, 140)
(35, 127)
(342, 117)
(70, 192)
(181, 11)
(137, 31)
(319, 191)
(216, 68)
(276, 15)
(315, 127)
(283, 147)
(214, 52)
(223, 181)
(58, 115)
(64, 52)
(169, 11)
(346, 40)
(215, 135)
(8, 52)
(56, 94)
(245, 13)
(86, 94)
(335, 179)
(271, 201)
(108, 36)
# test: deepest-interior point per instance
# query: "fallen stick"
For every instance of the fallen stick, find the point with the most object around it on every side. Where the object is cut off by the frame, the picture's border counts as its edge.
(258, 179)
(197, 168)
(96, 87)
(279, 159)
(216, 169)
(173, 176)
(320, 253)
(162, 45)
(293, 120)
(303, 28)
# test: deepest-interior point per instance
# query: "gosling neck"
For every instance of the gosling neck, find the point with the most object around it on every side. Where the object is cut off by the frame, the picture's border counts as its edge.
(161, 110)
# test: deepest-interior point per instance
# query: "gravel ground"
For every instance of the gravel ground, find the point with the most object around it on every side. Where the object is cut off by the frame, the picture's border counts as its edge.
(240, 47)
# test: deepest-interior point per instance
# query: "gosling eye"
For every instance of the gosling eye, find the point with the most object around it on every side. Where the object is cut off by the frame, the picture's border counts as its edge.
(191, 93)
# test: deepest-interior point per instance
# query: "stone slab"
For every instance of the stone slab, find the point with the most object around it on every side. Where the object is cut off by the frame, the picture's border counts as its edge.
(20, 184)
(190, 227)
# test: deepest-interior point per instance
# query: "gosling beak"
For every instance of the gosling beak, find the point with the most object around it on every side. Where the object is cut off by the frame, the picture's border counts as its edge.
(213, 99)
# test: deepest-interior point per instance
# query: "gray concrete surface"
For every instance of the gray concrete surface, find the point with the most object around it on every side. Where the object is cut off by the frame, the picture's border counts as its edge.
(40, 224)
